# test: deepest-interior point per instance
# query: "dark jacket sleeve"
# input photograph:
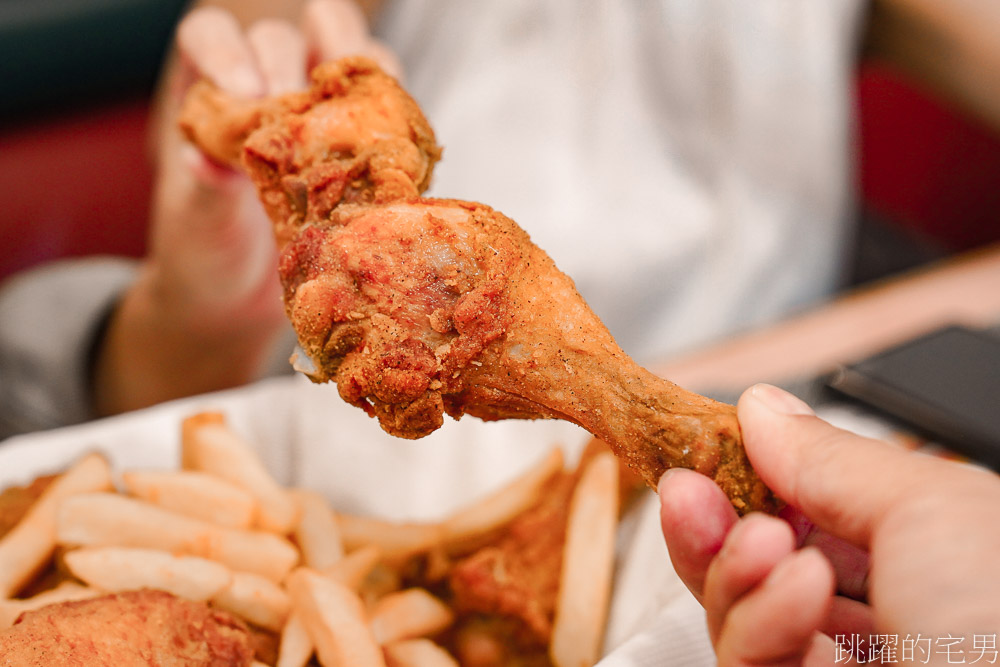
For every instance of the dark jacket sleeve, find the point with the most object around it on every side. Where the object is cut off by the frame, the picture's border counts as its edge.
(49, 318)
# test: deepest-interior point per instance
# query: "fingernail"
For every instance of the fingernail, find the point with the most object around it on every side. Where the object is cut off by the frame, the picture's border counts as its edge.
(794, 566)
(244, 81)
(663, 478)
(780, 401)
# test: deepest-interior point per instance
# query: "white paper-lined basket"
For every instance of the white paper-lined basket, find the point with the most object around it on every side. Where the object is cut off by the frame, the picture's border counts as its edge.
(309, 437)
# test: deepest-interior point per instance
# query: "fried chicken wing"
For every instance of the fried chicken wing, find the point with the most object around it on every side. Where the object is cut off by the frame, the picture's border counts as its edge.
(508, 589)
(518, 577)
(135, 628)
(418, 307)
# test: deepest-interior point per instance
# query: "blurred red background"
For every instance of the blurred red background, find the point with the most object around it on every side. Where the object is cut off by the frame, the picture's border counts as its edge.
(79, 183)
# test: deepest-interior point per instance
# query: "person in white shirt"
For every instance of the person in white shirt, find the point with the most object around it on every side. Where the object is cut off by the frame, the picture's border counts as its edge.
(686, 163)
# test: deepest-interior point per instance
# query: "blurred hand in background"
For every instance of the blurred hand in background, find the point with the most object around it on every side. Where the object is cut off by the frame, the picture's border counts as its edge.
(899, 543)
(207, 299)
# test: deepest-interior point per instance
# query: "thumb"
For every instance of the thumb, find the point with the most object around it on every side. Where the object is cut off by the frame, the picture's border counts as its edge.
(196, 194)
(842, 482)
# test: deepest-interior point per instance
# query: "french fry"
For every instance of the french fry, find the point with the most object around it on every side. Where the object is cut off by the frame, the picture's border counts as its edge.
(117, 569)
(64, 592)
(588, 564)
(334, 618)
(296, 647)
(189, 428)
(466, 530)
(194, 494)
(108, 519)
(354, 568)
(26, 549)
(417, 653)
(317, 532)
(409, 614)
(222, 530)
(255, 599)
(397, 541)
(209, 445)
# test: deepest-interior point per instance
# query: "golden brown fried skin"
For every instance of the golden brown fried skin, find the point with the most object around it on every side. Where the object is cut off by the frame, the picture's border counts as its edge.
(135, 628)
(494, 641)
(516, 579)
(420, 307)
(423, 307)
(355, 136)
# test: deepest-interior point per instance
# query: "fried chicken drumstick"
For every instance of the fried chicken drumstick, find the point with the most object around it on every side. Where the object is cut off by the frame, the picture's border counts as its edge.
(144, 627)
(418, 307)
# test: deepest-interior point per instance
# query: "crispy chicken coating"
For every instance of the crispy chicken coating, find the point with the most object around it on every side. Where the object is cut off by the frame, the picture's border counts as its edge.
(418, 307)
(355, 136)
(424, 306)
(135, 628)
(518, 577)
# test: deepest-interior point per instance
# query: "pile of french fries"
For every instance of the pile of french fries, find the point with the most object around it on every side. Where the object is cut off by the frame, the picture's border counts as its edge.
(222, 530)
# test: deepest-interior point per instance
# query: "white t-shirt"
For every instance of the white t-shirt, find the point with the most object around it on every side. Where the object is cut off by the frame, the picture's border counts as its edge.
(685, 161)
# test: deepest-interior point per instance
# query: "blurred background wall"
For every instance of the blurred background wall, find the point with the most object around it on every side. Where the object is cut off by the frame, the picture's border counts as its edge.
(76, 79)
